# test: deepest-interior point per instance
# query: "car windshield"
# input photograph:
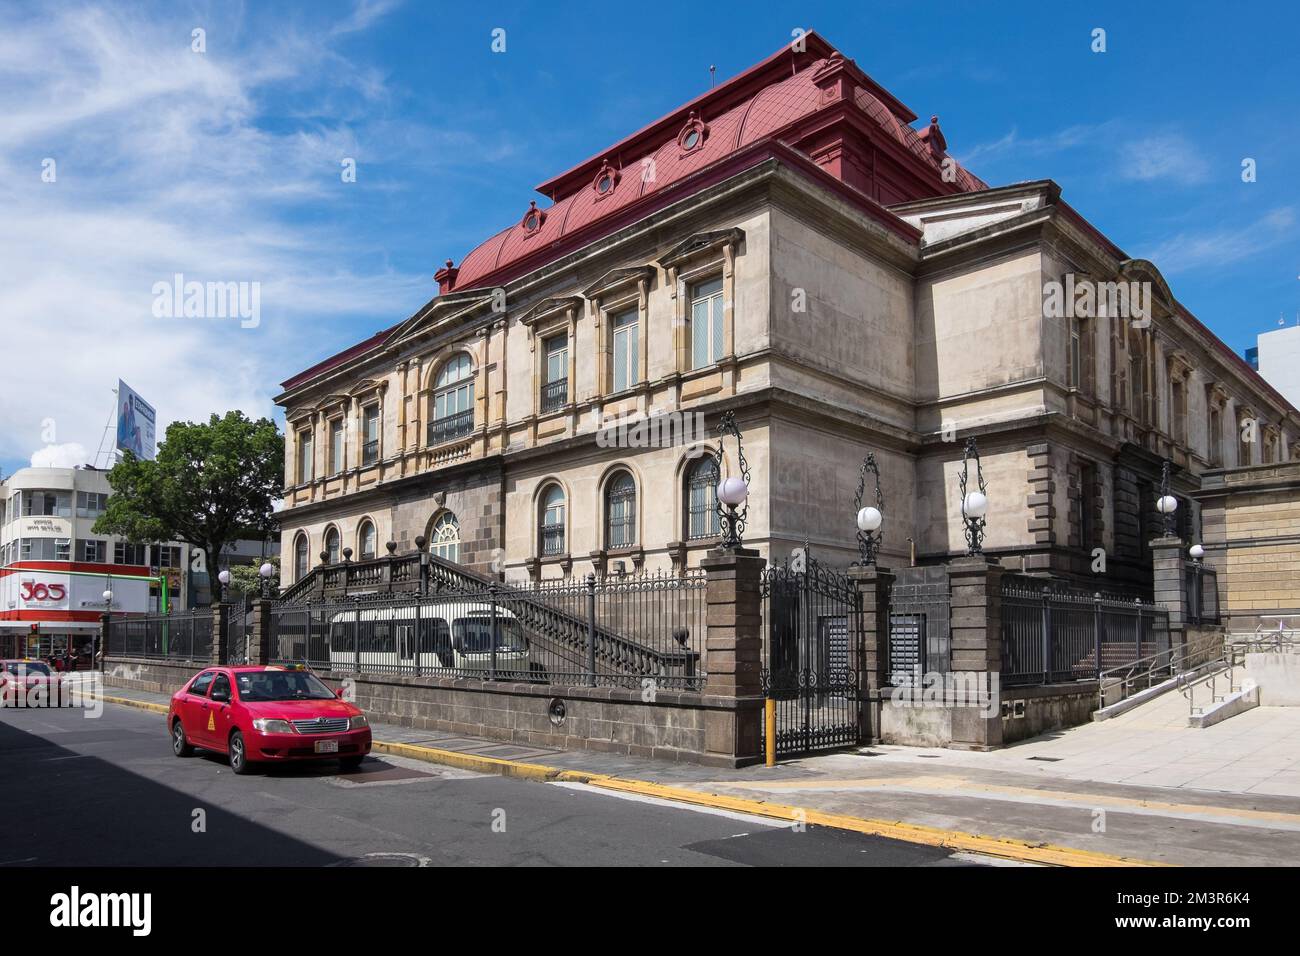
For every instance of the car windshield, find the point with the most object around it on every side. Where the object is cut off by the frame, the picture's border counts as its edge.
(475, 634)
(281, 685)
(31, 667)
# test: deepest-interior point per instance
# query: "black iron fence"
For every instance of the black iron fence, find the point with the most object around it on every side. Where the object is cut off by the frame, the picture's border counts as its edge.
(919, 634)
(1052, 634)
(182, 636)
(640, 631)
(812, 656)
(1200, 593)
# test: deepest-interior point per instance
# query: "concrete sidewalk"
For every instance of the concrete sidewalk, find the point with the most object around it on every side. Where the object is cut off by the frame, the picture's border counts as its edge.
(1014, 795)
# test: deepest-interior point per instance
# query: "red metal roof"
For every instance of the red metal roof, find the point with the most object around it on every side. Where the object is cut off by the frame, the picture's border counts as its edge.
(744, 110)
(767, 101)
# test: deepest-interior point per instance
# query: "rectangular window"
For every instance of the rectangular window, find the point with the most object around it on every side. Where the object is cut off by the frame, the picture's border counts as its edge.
(1245, 430)
(91, 504)
(1178, 410)
(94, 552)
(169, 556)
(56, 504)
(336, 447)
(1214, 436)
(706, 323)
(370, 434)
(304, 457)
(1087, 505)
(555, 389)
(1076, 355)
(626, 370)
(126, 553)
(46, 549)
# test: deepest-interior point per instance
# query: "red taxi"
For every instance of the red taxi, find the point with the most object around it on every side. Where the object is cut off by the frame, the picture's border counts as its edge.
(30, 683)
(263, 715)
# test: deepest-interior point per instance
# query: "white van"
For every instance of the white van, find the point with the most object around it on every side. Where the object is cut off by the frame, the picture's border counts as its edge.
(443, 636)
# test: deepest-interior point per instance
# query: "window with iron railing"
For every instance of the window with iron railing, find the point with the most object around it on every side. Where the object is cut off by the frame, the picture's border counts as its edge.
(555, 394)
(620, 512)
(370, 452)
(451, 427)
(552, 539)
(702, 500)
(551, 529)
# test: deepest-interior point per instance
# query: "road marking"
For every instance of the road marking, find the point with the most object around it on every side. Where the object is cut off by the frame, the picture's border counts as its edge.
(962, 787)
(749, 818)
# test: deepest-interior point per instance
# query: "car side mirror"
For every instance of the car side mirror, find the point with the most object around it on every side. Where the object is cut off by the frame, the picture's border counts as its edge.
(339, 693)
(457, 645)
(221, 696)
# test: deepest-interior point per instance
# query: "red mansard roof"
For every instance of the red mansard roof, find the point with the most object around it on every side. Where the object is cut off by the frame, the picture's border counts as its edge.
(793, 97)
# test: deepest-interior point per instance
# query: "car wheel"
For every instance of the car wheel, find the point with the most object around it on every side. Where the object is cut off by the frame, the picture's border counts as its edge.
(180, 746)
(350, 763)
(239, 761)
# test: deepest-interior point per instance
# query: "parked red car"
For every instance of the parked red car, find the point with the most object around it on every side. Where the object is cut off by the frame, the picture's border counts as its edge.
(261, 715)
(29, 683)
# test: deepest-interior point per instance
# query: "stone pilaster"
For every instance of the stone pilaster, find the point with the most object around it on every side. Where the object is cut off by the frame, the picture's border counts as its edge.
(220, 633)
(874, 586)
(975, 589)
(733, 651)
(259, 648)
(1167, 565)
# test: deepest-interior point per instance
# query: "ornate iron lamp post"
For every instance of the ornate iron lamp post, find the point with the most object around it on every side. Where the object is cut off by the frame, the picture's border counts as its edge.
(974, 504)
(871, 519)
(420, 543)
(223, 582)
(265, 572)
(1166, 504)
(732, 492)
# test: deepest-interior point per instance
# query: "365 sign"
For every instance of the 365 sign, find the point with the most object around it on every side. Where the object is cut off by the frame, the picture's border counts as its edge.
(38, 592)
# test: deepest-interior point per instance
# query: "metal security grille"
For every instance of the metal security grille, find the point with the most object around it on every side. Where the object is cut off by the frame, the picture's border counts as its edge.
(919, 641)
(812, 656)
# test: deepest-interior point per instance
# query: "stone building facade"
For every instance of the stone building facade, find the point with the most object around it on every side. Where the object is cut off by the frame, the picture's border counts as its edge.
(789, 248)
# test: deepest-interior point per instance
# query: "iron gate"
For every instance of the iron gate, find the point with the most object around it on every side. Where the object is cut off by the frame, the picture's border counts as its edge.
(812, 655)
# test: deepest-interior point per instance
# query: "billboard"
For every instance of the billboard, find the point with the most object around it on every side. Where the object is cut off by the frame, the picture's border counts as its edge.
(135, 422)
(24, 589)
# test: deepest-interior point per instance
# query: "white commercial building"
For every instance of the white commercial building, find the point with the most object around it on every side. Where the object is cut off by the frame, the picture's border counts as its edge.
(54, 568)
(1279, 361)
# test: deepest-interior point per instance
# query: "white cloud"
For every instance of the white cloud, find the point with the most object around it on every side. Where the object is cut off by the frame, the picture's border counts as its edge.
(1168, 157)
(1218, 247)
(69, 455)
(165, 165)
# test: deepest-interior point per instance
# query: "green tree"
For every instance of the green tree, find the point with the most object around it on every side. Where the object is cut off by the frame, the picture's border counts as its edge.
(246, 579)
(209, 485)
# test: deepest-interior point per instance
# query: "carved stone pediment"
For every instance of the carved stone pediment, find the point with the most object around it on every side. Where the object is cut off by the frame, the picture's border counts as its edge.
(699, 244)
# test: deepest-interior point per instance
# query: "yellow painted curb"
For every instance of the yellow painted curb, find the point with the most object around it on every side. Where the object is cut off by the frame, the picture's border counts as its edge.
(137, 704)
(1002, 847)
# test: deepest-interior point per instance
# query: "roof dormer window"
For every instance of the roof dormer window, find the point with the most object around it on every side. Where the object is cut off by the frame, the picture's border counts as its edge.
(693, 133)
(605, 180)
(533, 219)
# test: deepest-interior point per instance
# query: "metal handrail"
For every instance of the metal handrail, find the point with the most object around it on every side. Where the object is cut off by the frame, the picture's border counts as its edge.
(1144, 668)
(1231, 657)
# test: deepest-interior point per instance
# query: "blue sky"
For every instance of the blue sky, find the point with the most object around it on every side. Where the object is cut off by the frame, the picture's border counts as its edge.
(225, 165)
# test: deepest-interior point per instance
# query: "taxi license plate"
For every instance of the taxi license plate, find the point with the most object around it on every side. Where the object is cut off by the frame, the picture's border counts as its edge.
(327, 746)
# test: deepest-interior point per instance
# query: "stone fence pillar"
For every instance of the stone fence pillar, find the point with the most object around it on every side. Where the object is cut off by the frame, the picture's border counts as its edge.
(105, 634)
(734, 652)
(975, 593)
(1167, 565)
(874, 587)
(259, 649)
(220, 633)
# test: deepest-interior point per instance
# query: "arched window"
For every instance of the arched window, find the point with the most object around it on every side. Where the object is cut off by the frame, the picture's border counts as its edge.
(452, 412)
(301, 562)
(332, 545)
(444, 540)
(367, 540)
(702, 499)
(620, 511)
(552, 521)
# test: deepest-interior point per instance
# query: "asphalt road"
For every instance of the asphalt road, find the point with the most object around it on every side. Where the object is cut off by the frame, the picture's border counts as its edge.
(108, 792)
